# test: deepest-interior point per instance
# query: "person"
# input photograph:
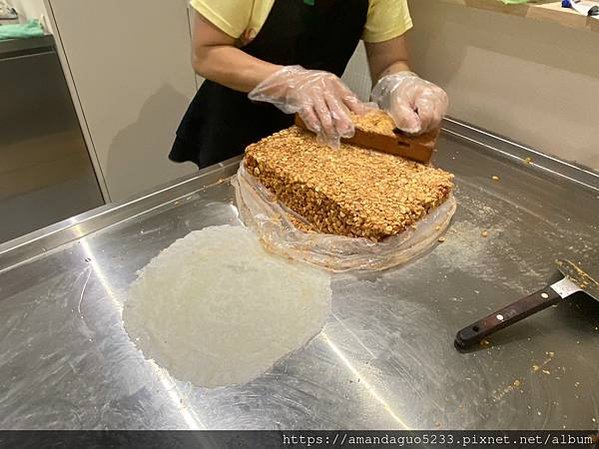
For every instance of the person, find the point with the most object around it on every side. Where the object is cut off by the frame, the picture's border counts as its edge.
(264, 60)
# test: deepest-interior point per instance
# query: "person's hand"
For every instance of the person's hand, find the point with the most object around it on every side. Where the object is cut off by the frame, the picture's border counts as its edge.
(320, 98)
(416, 105)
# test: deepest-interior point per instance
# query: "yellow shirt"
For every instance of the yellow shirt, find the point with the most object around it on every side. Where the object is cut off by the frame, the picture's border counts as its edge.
(387, 19)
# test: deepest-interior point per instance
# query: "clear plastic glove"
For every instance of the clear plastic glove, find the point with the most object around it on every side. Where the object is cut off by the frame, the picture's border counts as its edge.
(416, 105)
(320, 98)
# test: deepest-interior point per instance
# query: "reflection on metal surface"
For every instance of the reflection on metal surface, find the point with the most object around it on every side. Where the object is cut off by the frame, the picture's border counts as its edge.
(170, 387)
(501, 145)
(364, 382)
(92, 260)
(33, 245)
(46, 173)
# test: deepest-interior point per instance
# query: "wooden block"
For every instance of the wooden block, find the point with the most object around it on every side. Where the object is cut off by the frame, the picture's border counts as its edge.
(417, 148)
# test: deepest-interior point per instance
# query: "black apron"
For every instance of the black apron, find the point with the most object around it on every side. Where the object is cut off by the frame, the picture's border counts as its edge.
(220, 122)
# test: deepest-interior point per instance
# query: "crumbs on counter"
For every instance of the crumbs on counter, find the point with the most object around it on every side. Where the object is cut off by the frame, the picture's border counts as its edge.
(516, 385)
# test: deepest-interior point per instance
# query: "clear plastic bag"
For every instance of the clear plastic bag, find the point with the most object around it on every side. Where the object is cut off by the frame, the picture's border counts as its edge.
(270, 221)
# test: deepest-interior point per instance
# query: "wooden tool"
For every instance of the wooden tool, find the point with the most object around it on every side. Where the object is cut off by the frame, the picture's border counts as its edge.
(417, 148)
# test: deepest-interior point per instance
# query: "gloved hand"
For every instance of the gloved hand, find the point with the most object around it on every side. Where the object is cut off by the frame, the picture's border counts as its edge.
(320, 98)
(416, 105)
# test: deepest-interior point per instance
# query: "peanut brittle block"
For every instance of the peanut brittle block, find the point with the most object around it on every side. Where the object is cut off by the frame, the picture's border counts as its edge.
(349, 191)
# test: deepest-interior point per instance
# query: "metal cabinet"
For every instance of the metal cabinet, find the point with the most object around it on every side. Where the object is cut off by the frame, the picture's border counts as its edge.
(46, 174)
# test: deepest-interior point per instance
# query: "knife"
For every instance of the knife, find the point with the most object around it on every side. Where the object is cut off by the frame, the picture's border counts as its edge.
(575, 280)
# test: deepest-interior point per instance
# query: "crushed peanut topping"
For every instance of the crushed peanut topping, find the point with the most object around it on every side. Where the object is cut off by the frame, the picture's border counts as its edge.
(350, 191)
(376, 121)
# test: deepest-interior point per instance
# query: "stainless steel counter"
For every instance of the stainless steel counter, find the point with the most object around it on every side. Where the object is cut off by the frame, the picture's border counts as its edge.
(384, 360)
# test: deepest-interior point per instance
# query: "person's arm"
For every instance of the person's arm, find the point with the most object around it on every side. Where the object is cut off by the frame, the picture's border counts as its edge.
(416, 105)
(388, 57)
(216, 58)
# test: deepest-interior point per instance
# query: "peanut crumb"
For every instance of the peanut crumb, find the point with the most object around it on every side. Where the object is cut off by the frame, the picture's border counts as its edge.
(495, 178)
(376, 121)
(485, 234)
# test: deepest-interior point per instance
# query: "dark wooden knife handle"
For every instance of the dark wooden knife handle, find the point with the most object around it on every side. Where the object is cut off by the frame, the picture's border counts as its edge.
(525, 307)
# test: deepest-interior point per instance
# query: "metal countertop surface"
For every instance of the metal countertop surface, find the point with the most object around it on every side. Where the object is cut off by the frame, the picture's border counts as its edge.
(385, 359)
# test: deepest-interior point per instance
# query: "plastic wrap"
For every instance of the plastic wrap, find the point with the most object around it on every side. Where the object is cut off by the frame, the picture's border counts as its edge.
(272, 223)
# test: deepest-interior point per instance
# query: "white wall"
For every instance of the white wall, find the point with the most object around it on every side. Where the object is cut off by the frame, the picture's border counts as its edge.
(130, 64)
(536, 83)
